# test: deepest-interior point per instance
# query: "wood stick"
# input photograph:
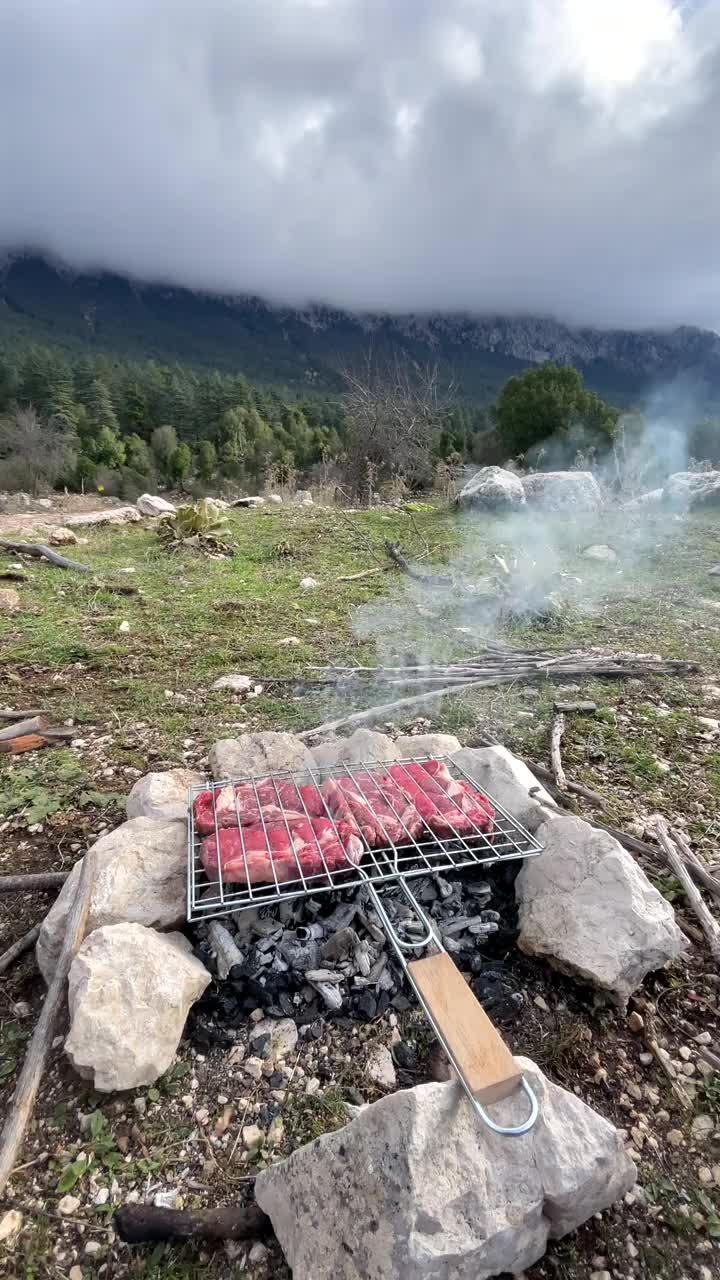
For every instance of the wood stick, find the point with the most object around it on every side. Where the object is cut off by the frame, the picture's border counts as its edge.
(711, 1058)
(372, 713)
(35, 725)
(29, 742)
(227, 953)
(708, 923)
(40, 552)
(365, 573)
(23, 944)
(7, 714)
(138, 1223)
(569, 708)
(681, 1094)
(23, 1101)
(558, 729)
(36, 880)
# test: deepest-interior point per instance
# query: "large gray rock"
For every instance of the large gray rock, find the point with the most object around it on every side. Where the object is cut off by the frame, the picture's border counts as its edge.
(129, 992)
(492, 488)
(562, 490)
(140, 875)
(258, 754)
(692, 489)
(587, 907)
(162, 796)
(113, 515)
(651, 499)
(426, 744)
(509, 781)
(149, 504)
(416, 1188)
(363, 746)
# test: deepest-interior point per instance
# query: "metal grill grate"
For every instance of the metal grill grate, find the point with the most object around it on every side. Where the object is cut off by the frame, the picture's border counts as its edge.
(208, 898)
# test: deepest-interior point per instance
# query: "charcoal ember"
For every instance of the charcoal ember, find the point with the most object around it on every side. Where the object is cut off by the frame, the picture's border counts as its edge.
(401, 1003)
(204, 953)
(405, 1056)
(493, 916)
(261, 1045)
(204, 1032)
(309, 1014)
(497, 997)
(286, 1005)
(365, 1005)
(383, 1003)
(339, 945)
(324, 1070)
(299, 954)
(276, 1080)
(355, 1096)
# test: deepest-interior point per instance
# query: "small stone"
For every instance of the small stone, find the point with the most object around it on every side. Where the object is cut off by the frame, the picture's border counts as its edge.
(102, 1196)
(600, 1275)
(636, 1022)
(10, 1227)
(253, 1067)
(704, 1038)
(645, 1059)
(93, 1248)
(276, 1132)
(307, 584)
(202, 1115)
(252, 1136)
(380, 1067)
(166, 1199)
(631, 1248)
(75, 1273)
(140, 1105)
(312, 1086)
(68, 1206)
(9, 600)
(541, 1004)
(234, 684)
(705, 1175)
(705, 1273)
(685, 1053)
(257, 1254)
(124, 626)
(716, 1174)
(675, 1137)
(688, 1068)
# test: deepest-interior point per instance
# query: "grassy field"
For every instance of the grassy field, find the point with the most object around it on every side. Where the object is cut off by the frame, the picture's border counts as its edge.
(141, 699)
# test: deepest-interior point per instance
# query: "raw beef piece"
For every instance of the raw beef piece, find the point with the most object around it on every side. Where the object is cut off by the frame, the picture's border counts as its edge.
(381, 811)
(251, 856)
(277, 800)
(455, 811)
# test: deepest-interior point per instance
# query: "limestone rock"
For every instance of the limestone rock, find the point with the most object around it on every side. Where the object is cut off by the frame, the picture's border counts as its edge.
(129, 993)
(415, 1186)
(380, 1067)
(308, 584)
(303, 498)
(249, 503)
(140, 875)
(114, 515)
(651, 499)
(59, 536)
(283, 1035)
(10, 1227)
(363, 746)
(258, 754)
(426, 744)
(162, 796)
(275, 500)
(9, 600)
(692, 489)
(234, 684)
(149, 504)
(587, 907)
(509, 781)
(599, 551)
(492, 488)
(563, 490)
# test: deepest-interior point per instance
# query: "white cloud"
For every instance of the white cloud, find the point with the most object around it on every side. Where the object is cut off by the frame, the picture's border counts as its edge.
(546, 156)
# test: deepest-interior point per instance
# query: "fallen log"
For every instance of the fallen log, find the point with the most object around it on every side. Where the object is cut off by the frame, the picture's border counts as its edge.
(556, 734)
(372, 713)
(364, 573)
(7, 714)
(143, 1223)
(34, 725)
(708, 923)
(24, 1097)
(28, 742)
(35, 880)
(39, 551)
(571, 708)
(19, 948)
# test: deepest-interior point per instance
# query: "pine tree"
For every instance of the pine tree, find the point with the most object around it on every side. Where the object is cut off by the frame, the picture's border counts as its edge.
(101, 409)
(207, 460)
(138, 455)
(164, 442)
(181, 464)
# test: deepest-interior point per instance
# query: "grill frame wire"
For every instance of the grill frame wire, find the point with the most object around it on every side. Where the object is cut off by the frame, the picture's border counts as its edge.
(210, 899)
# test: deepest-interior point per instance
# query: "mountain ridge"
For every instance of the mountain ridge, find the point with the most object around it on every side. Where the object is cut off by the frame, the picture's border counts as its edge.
(305, 347)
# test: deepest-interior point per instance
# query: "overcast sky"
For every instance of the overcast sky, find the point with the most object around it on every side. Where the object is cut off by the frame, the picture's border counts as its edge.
(541, 156)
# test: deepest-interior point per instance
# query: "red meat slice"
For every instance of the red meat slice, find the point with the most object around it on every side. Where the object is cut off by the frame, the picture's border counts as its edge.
(378, 808)
(453, 809)
(252, 856)
(265, 801)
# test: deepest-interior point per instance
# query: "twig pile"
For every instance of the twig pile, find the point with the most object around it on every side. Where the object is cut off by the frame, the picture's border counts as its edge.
(497, 665)
(31, 731)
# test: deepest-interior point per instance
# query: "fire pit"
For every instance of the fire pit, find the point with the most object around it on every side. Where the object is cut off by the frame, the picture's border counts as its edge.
(292, 836)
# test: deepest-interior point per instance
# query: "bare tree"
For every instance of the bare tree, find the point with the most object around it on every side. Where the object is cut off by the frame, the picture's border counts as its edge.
(394, 413)
(33, 453)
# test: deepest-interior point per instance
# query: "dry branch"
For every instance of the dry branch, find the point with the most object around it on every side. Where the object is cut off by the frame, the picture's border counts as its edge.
(570, 708)
(364, 573)
(7, 714)
(28, 742)
(373, 713)
(23, 1100)
(36, 880)
(558, 729)
(18, 948)
(708, 923)
(139, 1223)
(39, 551)
(35, 725)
